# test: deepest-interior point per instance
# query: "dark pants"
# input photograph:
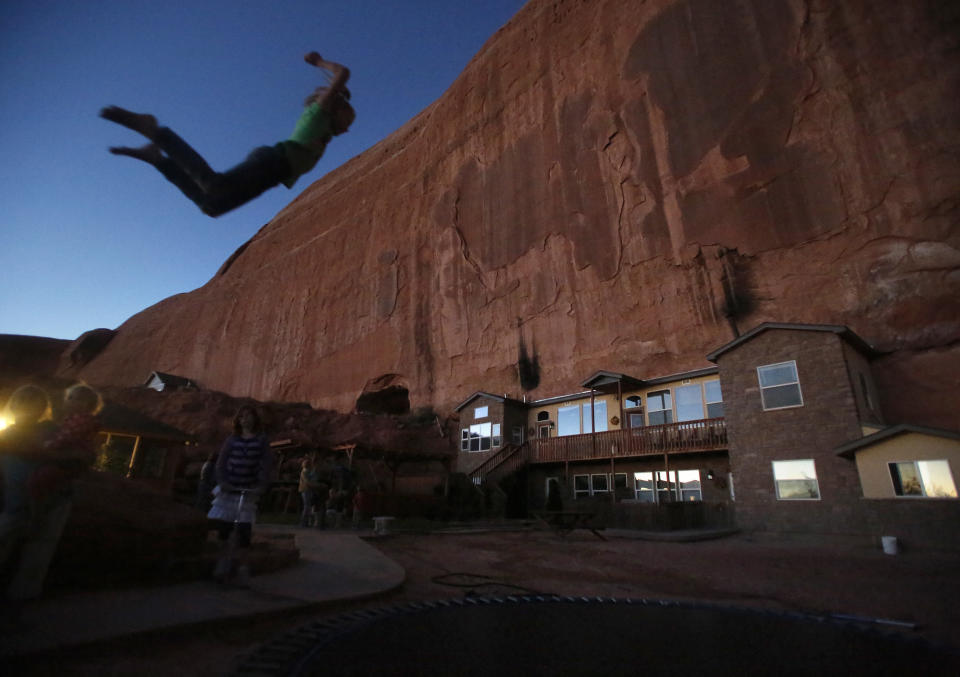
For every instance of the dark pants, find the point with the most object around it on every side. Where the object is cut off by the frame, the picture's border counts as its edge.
(217, 193)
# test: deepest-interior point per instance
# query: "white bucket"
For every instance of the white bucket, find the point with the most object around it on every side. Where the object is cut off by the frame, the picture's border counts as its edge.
(890, 545)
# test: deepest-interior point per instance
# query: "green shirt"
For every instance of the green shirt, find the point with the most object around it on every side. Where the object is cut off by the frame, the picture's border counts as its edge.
(307, 142)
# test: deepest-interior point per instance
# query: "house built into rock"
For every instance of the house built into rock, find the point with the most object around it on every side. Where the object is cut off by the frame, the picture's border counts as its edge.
(784, 434)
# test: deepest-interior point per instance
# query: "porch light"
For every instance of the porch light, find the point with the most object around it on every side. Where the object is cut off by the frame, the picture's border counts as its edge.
(709, 474)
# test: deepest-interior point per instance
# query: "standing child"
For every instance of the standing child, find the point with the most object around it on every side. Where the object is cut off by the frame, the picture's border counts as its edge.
(244, 473)
(327, 114)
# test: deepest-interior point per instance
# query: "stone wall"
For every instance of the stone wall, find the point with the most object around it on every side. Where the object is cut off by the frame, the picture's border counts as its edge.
(630, 183)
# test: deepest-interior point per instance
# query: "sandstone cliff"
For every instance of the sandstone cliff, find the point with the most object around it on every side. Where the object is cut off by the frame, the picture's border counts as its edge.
(611, 185)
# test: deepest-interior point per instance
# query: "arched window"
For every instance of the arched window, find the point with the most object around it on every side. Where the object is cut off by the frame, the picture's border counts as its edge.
(543, 416)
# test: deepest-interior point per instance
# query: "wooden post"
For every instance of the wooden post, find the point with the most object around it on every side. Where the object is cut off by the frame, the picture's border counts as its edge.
(593, 419)
(666, 465)
(613, 481)
(623, 423)
(131, 469)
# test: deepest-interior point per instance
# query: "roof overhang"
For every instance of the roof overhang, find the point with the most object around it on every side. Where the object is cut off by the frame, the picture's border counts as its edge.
(840, 330)
(850, 449)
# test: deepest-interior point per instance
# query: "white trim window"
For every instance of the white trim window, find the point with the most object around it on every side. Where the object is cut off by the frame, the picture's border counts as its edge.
(796, 480)
(713, 396)
(660, 486)
(600, 483)
(659, 407)
(480, 437)
(596, 483)
(481, 412)
(779, 386)
(930, 479)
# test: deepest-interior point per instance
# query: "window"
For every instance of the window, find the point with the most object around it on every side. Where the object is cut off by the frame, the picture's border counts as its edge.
(677, 485)
(581, 485)
(780, 386)
(866, 392)
(643, 487)
(599, 484)
(632, 402)
(568, 420)
(599, 417)
(923, 478)
(480, 437)
(516, 434)
(690, 402)
(796, 480)
(543, 416)
(575, 419)
(636, 420)
(688, 485)
(481, 412)
(659, 408)
(714, 399)
(620, 480)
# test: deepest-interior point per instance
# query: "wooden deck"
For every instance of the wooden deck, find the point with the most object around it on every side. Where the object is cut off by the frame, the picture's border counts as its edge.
(674, 438)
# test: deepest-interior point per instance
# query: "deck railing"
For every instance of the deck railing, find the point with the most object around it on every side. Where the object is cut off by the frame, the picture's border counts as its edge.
(673, 438)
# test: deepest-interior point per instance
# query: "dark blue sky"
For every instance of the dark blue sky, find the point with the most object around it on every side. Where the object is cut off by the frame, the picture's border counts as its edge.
(90, 238)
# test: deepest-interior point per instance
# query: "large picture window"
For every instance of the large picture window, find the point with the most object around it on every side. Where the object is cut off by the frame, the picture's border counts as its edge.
(923, 478)
(779, 386)
(480, 437)
(689, 402)
(661, 487)
(796, 480)
(575, 419)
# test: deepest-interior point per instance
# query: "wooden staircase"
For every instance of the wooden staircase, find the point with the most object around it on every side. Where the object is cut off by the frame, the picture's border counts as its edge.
(509, 459)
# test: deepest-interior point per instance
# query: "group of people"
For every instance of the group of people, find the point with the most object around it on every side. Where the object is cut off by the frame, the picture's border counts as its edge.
(42, 452)
(327, 498)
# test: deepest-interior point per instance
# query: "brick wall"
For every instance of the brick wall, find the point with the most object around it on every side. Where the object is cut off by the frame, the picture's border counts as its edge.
(828, 418)
(507, 413)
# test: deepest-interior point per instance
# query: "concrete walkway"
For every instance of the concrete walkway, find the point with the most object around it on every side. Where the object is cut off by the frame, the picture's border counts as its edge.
(333, 566)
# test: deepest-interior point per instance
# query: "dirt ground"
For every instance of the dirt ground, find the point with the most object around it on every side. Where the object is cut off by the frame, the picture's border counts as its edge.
(922, 588)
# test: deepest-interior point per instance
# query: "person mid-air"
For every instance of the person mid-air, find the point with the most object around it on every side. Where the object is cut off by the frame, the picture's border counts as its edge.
(327, 114)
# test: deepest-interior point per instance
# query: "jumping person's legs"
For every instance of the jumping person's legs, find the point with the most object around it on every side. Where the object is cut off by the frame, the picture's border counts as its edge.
(263, 169)
(215, 193)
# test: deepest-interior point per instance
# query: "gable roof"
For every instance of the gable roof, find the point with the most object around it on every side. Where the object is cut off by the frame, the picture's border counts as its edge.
(840, 330)
(115, 418)
(602, 378)
(849, 449)
(496, 398)
(170, 380)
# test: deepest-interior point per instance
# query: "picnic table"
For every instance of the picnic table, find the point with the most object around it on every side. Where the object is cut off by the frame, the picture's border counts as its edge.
(563, 522)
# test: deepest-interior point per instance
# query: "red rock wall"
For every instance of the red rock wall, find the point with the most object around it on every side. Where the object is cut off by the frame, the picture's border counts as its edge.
(629, 182)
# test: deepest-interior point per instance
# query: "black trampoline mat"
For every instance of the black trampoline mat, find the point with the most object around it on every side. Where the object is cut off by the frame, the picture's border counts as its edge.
(571, 636)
